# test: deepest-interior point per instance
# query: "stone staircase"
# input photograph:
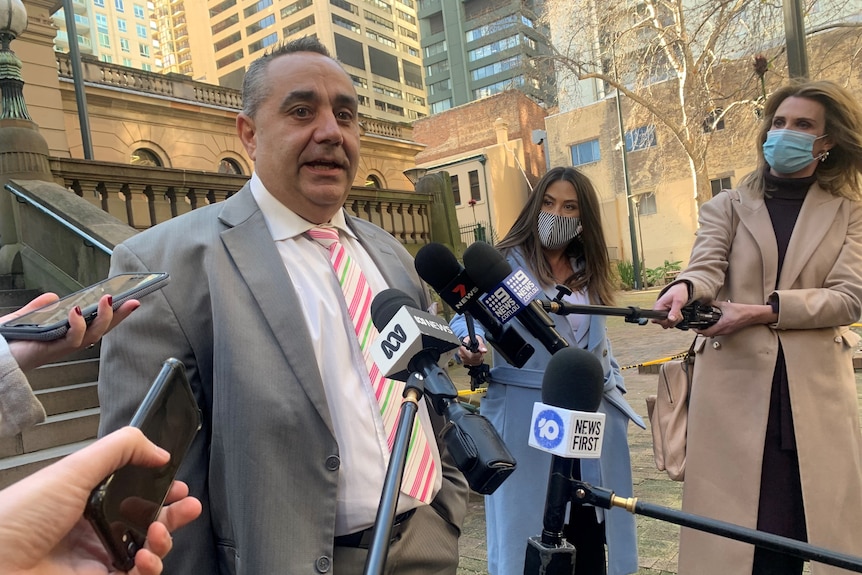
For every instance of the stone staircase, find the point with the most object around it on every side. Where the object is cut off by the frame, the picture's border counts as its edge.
(67, 390)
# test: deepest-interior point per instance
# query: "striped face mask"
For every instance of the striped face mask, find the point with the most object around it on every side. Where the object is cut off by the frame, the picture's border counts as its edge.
(556, 232)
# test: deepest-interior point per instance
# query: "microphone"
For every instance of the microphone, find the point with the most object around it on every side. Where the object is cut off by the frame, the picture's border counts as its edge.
(566, 425)
(438, 267)
(412, 341)
(509, 294)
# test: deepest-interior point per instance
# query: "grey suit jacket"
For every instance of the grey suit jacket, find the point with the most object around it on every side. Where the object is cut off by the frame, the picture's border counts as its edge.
(265, 463)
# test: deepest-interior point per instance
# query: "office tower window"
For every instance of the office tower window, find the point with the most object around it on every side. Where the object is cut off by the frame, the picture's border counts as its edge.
(345, 5)
(141, 30)
(381, 5)
(383, 64)
(498, 87)
(99, 3)
(456, 191)
(138, 11)
(124, 46)
(260, 25)
(393, 109)
(385, 40)
(221, 7)
(437, 67)
(512, 63)
(118, 5)
(387, 90)
(127, 62)
(586, 153)
(225, 24)
(229, 59)
(101, 22)
(494, 47)
(345, 23)
(410, 50)
(146, 67)
(408, 33)
(412, 74)
(296, 7)
(435, 23)
(268, 40)
(298, 26)
(227, 41)
(710, 120)
(720, 184)
(437, 107)
(435, 48)
(475, 193)
(640, 138)
(350, 52)
(493, 27)
(106, 58)
(379, 20)
(121, 25)
(363, 100)
(104, 40)
(414, 99)
(256, 7)
(402, 15)
(144, 50)
(441, 86)
(408, 3)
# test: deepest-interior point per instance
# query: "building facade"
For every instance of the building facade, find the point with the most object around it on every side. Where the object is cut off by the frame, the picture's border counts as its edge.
(476, 48)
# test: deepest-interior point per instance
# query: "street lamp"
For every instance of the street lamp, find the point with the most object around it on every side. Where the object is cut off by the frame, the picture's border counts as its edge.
(13, 22)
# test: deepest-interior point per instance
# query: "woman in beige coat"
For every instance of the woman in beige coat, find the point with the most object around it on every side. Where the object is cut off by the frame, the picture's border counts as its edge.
(774, 440)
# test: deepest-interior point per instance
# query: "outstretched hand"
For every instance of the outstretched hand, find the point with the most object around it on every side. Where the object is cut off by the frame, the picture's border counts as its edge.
(43, 531)
(31, 354)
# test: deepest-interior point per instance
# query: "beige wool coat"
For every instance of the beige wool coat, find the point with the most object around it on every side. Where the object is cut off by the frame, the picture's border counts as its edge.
(819, 293)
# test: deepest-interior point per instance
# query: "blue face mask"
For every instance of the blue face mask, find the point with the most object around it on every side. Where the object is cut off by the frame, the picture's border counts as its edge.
(788, 151)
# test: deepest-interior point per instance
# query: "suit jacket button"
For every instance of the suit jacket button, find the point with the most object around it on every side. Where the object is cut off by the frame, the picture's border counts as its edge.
(323, 564)
(716, 345)
(837, 339)
(604, 353)
(333, 462)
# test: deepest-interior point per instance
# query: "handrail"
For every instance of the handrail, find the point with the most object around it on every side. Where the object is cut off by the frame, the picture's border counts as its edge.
(88, 239)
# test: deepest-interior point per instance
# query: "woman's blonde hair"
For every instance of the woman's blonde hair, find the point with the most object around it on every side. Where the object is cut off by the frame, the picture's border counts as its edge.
(841, 172)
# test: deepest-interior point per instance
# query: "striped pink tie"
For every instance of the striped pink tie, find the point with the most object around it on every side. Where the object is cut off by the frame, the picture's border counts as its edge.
(420, 469)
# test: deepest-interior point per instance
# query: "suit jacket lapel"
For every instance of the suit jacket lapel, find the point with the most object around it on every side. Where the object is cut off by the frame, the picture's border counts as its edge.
(754, 216)
(253, 251)
(818, 212)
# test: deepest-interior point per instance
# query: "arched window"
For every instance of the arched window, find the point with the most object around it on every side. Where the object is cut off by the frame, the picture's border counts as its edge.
(372, 181)
(228, 166)
(145, 157)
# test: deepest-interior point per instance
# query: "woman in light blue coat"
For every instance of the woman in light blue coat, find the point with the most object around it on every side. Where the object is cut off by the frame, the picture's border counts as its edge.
(558, 239)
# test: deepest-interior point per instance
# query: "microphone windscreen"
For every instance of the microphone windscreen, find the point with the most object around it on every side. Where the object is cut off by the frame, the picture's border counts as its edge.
(486, 266)
(386, 304)
(436, 265)
(573, 380)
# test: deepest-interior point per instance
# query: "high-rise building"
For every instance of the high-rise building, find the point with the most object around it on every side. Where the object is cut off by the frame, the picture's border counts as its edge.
(214, 40)
(115, 31)
(476, 48)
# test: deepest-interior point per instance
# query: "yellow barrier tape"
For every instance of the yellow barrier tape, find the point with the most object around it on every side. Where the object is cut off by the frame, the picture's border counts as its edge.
(477, 391)
(655, 361)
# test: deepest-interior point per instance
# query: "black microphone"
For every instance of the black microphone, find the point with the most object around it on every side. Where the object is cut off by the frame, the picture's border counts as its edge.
(566, 425)
(510, 294)
(416, 340)
(438, 267)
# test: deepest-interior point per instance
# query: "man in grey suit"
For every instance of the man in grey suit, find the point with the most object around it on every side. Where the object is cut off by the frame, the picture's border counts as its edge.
(289, 464)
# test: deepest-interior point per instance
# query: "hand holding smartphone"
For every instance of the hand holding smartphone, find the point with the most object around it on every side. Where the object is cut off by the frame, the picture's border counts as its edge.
(123, 506)
(51, 322)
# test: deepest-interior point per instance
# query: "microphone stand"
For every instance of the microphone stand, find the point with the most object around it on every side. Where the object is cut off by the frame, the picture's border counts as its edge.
(584, 493)
(380, 537)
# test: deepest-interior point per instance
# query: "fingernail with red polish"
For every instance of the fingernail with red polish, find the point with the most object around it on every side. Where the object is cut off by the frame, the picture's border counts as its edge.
(78, 310)
(110, 300)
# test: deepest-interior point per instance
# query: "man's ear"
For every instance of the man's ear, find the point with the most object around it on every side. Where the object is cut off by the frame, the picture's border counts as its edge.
(245, 129)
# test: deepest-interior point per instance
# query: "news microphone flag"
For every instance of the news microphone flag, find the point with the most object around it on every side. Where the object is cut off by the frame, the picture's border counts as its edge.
(566, 433)
(408, 333)
(514, 293)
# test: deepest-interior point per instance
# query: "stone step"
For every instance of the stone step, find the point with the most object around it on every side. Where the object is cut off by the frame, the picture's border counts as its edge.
(15, 468)
(68, 398)
(62, 428)
(63, 374)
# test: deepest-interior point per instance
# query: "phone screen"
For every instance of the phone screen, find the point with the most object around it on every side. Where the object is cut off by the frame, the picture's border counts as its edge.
(89, 297)
(123, 506)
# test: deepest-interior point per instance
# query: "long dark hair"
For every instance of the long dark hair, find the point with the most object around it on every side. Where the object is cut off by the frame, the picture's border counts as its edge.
(589, 245)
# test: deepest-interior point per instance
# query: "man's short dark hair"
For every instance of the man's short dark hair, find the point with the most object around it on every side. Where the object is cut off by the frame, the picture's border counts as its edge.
(254, 88)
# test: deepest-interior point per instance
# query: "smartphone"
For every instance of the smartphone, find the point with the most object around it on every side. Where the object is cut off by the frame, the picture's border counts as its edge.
(52, 321)
(125, 503)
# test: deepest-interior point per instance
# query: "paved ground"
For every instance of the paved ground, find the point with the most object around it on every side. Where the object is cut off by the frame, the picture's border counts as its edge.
(633, 345)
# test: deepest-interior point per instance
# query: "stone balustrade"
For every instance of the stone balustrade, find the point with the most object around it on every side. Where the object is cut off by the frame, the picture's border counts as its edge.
(143, 196)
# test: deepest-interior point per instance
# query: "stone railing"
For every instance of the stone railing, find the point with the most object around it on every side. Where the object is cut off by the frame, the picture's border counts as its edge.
(143, 196)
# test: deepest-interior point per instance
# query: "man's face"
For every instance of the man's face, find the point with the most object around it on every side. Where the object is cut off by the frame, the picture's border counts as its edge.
(304, 138)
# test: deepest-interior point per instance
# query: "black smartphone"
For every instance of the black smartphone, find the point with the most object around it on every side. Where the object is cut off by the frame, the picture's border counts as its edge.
(52, 321)
(123, 506)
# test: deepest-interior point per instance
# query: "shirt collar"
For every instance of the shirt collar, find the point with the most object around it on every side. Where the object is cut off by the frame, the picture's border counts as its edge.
(282, 222)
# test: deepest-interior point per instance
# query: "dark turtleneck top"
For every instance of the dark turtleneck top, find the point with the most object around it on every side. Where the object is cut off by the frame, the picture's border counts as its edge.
(783, 198)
